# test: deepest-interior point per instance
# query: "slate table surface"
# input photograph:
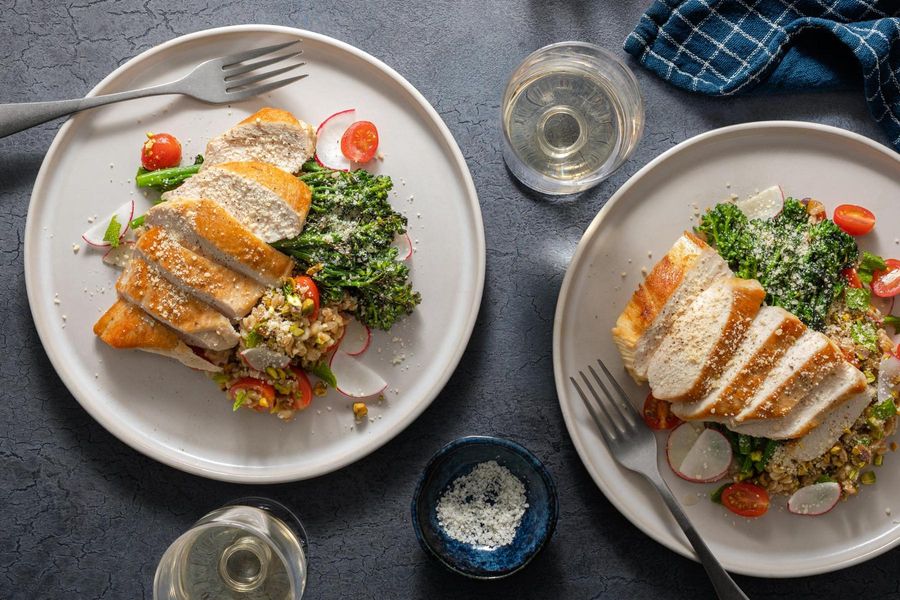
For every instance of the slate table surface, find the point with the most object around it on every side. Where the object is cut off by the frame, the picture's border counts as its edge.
(84, 516)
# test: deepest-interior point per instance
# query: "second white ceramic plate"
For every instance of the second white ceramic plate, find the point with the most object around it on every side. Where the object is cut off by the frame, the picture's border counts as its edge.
(178, 416)
(635, 228)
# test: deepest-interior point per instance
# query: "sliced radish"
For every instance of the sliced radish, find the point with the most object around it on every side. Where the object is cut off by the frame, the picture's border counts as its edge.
(764, 205)
(815, 499)
(355, 379)
(120, 255)
(356, 339)
(884, 305)
(708, 459)
(94, 235)
(680, 442)
(261, 358)
(328, 140)
(404, 246)
(888, 378)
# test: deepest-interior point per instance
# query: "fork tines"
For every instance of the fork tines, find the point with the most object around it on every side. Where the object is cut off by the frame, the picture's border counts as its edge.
(618, 414)
(236, 65)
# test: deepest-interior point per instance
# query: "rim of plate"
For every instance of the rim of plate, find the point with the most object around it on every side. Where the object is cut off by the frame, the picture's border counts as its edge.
(186, 462)
(629, 511)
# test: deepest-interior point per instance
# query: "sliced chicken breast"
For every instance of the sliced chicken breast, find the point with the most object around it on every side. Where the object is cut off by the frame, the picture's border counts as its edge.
(817, 442)
(271, 203)
(270, 136)
(686, 270)
(126, 326)
(812, 357)
(844, 384)
(701, 341)
(771, 334)
(222, 238)
(228, 291)
(197, 322)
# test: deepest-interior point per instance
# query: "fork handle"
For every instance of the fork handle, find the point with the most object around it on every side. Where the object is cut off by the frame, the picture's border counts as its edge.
(726, 588)
(21, 116)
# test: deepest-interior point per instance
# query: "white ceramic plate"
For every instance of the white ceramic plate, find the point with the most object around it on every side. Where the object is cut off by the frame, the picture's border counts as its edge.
(178, 416)
(644, 218)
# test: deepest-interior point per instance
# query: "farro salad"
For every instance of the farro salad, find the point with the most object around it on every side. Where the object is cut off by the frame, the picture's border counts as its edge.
(810, 265)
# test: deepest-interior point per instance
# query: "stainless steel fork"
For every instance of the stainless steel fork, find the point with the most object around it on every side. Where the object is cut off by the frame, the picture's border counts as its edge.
(217, 81)
(633, 445)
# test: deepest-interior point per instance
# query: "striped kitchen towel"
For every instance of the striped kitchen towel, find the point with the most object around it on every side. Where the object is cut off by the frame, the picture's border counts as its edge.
(727, 47)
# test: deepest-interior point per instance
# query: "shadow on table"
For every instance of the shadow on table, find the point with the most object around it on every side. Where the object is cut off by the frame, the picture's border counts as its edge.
(17, 170)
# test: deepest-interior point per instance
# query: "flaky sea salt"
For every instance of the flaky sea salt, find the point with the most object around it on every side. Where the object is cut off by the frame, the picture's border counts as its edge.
(484, 507)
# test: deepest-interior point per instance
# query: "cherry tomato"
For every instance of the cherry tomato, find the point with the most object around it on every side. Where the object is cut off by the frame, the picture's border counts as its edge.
(264, 391)
(304, 393)
(887, 283)
(852, 278)
(746, 499)
(854, 219)
(360, 142)
(657, 414)
(305, 287)
(160, 151)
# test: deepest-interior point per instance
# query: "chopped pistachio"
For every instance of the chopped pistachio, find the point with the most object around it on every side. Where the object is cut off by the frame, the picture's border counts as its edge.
(868, 478)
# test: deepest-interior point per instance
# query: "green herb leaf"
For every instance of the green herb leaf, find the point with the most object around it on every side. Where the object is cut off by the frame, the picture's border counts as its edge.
(868, 264)
(825, 479)
(884, 410)
(863, 333)
(323, 372)
(892, 321)
(252, 339)
(113, 231)
(857, 298)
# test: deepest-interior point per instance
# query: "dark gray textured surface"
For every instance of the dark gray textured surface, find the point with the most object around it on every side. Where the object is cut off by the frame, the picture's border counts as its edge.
(84, 516)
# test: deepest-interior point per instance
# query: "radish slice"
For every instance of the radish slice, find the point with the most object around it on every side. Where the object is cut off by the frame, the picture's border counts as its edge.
(357, 338)
(764, 205)
(884, 305)
(680, 442)
(815, 499)
(120, 255)
(94, 235)
(708, 459)
(261, 358)
(328, 140)
(404, 246)
(355, 379)
(888, 378)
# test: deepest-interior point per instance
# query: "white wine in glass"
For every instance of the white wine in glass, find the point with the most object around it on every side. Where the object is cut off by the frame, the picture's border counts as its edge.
(250, 549)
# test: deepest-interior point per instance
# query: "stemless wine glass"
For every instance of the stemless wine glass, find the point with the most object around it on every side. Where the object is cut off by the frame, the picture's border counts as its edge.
(572, 114)
(250, 549)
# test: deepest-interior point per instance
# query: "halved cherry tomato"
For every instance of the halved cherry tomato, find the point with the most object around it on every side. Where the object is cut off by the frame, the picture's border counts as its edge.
(160, 151)
(852, 278)
(264, 390)
(305, 287)
(304, 393)
(657, 414)
(746, 499)
(887, 283)
(854, 219)
(360, 142)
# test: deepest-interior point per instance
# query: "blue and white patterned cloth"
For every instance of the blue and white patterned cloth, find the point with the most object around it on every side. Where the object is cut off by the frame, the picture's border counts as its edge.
(727, 47)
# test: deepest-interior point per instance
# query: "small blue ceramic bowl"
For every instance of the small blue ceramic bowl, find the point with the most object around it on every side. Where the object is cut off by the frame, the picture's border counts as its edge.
(458, 458)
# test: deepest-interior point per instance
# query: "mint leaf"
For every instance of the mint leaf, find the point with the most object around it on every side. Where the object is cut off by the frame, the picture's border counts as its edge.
(857, 298)
(863, 334)
(323, 372)
(868, 265)
(112, 232)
